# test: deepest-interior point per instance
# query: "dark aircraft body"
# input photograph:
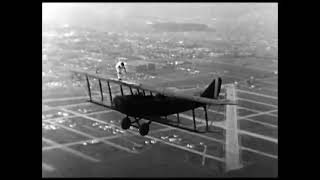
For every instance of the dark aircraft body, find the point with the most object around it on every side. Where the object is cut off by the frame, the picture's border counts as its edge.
(140, 106)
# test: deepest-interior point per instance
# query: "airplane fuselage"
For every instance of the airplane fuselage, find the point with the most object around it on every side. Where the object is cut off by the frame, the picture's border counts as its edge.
(140, 106)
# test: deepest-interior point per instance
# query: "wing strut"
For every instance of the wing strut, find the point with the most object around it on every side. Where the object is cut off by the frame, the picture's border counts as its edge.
(100, 90)
(109, 92)
(88, 87)
(194, 120)
(121, 90)
(131, 90)
(206, 116)
(178, 118)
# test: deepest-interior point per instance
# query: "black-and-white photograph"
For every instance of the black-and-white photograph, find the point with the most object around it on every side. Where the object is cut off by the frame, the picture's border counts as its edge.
(159, 89)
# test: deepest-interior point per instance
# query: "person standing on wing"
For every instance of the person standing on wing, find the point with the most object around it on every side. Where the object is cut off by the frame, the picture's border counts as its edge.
(120, 67)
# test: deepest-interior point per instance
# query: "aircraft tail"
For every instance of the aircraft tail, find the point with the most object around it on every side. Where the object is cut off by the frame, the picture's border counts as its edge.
(213, 90)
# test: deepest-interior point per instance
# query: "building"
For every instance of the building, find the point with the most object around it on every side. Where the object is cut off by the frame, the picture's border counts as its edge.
(145, 68)
(151, 67)
(141, 68)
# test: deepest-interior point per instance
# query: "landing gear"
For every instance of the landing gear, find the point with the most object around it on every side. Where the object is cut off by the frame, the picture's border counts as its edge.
(126, 123)
(144, 129)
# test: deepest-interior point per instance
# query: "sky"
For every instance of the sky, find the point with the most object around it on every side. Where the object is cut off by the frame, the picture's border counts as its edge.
(117, 14)
(60, 11)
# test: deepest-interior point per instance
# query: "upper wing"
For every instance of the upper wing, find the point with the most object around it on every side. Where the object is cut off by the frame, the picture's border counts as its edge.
(162, 91)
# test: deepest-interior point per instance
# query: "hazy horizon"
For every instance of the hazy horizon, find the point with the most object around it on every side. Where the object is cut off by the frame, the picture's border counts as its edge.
(110, 15)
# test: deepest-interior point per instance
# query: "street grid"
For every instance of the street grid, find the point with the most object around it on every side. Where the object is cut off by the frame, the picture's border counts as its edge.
(74, 118)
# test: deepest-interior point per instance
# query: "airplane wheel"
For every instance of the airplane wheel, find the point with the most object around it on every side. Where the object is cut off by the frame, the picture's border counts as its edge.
(125, 123)
(144, 129)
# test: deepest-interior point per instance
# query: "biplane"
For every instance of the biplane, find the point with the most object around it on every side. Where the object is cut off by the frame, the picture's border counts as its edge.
(150, 103)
